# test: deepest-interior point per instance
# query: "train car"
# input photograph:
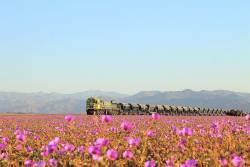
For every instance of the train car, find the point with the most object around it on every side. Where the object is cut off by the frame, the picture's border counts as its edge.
(185, 110)
(127, 108)
(179, 110)
(160, 109)
(167, 109)
(135, 109)
(151, 108)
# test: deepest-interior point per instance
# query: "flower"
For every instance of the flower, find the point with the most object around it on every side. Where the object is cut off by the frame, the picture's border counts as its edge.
(150, 133)
(127, 126)
(5, 140)
(53, 162)
(237, 161)
(185, 132)
(2, 146)
(80, 149)
(134, 142)
(112, 154)
(248, 117)
(189, 163)
(223, 162)
(169, 163)
(29, 149)
(155, 116)
(215, 125)
(106, 118)
(28, 163)
(56, 140)
(175, 129)
(96, 157)
(113, 129)
(94, 150)
(69, 118)
(182, 141)
(150, 164)
(52, 147)
(127, 154)
(101, 142)
(17, 132)
(69, 147)
(36, 137)
(3, 156)
(45, 153)
(40, 164)
(19, 147)
(21, 137)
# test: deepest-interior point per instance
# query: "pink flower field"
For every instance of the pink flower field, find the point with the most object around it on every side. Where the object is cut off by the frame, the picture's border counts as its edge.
(80, 140)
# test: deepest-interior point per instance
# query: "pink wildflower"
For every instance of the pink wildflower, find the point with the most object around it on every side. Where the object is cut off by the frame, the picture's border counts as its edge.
(2, 146)
(106, 118)
(223, 162)
(19, 147)
(28, 163)
(150, 163)
(44, 153)
(134, 142)
(185, 132)
(5, 140)
(155, 116)
(69, 118)
(150, 133)
(29, 149)
(96, 157)
(3, 156)
(112, 154)
(126, 126)
(56, 140)
(189, 163)
(53, 162)
(113, 129)
(169, 163)
(101, 142)
(20, 137)
(81, 149)
(69, 147)
(94, 150)
(127, 154)
(40, 164)
(237, 161)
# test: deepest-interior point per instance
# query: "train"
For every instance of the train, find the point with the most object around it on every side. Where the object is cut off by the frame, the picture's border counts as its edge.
(97, 106)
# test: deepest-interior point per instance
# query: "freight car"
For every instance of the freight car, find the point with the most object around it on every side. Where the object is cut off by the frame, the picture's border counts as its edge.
(96, 106)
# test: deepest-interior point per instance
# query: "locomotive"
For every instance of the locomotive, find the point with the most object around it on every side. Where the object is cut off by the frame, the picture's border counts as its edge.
(97, 106)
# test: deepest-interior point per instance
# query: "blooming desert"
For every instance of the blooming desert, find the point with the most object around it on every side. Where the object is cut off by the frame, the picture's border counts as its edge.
(80, 140)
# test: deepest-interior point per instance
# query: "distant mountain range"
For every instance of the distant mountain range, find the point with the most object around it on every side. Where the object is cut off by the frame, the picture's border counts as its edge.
(56, 103)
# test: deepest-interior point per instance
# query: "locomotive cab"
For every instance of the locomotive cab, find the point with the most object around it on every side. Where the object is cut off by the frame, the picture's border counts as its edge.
(93, 105)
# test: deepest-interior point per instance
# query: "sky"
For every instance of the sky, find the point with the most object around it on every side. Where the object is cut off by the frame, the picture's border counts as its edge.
(125, 46)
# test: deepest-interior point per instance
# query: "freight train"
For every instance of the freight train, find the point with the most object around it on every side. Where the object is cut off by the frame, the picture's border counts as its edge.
(97, 106)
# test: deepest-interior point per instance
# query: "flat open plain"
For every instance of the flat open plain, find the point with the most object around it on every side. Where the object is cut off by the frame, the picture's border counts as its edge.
(80, 140)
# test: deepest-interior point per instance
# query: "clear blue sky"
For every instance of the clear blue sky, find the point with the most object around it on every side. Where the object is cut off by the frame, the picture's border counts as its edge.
(125, 46)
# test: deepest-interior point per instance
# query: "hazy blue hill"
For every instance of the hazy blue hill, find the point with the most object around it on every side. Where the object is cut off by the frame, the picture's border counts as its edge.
(48, 103)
